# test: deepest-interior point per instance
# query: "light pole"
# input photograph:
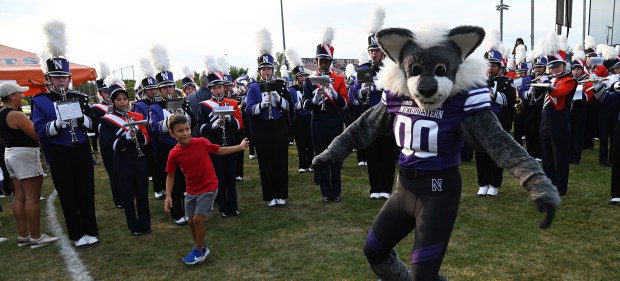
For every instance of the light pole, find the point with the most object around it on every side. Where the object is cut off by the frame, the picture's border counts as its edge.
(501, 7)
(283, 36)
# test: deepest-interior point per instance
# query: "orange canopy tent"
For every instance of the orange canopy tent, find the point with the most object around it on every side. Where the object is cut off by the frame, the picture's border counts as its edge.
(24, 68)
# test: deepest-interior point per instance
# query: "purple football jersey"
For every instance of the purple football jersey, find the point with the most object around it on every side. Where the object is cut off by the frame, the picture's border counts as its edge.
(429, 140)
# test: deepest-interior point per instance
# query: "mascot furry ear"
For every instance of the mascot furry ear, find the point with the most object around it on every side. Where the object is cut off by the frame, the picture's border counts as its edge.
(393, 40)
(432, 64)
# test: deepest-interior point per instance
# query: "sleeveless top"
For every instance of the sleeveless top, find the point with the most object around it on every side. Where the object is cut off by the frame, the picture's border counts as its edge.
(13, 137)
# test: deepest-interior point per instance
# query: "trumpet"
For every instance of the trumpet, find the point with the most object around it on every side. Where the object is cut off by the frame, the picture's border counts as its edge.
(324, 87)
(130, 125)
(223, 120)
(74, 139)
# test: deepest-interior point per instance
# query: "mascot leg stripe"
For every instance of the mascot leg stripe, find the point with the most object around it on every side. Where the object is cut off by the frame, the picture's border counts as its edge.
(73, 263)
(373, 243)
(427, 253)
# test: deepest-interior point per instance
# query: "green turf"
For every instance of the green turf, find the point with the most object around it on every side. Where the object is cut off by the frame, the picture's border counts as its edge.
(494, 238)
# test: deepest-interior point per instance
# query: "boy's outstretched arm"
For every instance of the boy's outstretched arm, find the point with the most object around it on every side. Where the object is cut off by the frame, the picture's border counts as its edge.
(169, 185)
(232, 149)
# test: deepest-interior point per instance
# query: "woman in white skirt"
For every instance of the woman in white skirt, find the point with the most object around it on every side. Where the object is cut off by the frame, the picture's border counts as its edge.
(22, 157)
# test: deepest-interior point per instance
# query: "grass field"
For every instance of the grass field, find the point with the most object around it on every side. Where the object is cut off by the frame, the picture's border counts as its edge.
(494, 238)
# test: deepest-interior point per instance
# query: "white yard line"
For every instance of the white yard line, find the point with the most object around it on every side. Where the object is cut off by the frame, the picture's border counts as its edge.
(73, 263)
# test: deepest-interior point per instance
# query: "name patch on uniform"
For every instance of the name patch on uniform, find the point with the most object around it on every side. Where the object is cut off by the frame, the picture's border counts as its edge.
(437, 114)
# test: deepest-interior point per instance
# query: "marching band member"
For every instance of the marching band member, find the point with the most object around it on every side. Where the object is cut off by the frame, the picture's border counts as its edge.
(605, 109)
(356, 109)
(229, 92)
(130, 172)
(555, 119)
(382, 153)
(609, 92)
(268, 105)
(99, 110)
(503, 98)
(187, 82)
(148, 86)
(158, 116)
(65, 142)
(301, 121)
(579, 106)
(532, 103)
(221, 130)
(326, 103)
(195, 98)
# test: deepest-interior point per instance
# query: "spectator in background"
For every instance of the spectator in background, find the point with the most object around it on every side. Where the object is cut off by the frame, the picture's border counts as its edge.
(23, 163)
(518, 42)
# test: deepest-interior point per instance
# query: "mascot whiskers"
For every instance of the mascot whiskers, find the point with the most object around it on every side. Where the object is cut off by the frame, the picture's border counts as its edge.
(436, 97)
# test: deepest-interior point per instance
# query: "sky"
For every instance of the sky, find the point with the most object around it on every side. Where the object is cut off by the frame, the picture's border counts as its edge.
(119, 33)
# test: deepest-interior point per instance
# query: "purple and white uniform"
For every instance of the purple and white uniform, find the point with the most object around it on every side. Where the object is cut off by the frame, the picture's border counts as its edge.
(430, 140)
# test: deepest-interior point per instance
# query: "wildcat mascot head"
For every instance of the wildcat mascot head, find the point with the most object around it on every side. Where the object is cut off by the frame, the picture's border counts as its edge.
(430, 63)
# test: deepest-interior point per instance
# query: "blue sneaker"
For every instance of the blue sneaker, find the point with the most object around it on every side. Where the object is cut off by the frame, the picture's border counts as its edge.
(196, 256)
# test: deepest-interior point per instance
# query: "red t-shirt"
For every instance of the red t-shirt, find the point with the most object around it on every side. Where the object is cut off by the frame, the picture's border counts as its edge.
(195, 164)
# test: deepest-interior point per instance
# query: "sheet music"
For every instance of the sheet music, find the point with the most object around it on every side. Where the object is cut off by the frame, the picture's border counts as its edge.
(69, 109)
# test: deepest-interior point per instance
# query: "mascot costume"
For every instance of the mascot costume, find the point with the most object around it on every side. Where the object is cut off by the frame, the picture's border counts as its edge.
(437, 98)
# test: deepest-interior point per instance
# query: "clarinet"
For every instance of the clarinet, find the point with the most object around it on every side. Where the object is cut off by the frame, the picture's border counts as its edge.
(132, 129)
(74, 139)
(219, 100)
(267, 80)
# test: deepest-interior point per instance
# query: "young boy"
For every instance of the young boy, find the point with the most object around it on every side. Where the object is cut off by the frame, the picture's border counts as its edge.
(192, 156)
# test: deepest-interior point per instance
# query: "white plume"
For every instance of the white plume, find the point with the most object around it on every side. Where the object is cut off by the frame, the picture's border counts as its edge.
(608, 52)
(617, 48)
(56, 38)
(146, 68)
(510, 64)
(160, 58)
(263, 42)
(578, 47)
(552, 44)
(376, 20)
(590, 42)
(328, 35)
(223, 65)
(579, 55)
(188, 72)
(350, 70)
(293, 58)
(563, 43)
(502, 49)
(43, 57)
(520, 54)
(537, 51)
(363, 58)
(283, 71)
(113, 79)
(491, 40)
(210, 65)
(253, 73)
(104, 71)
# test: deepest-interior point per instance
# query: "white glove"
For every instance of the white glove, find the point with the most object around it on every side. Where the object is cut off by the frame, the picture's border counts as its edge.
(216, 124)
(275, 98)
(299, 101)
(265, 101)
(597, 85)
(593, 75)
(58, 124)
(318, 96)
(129, 135)
(227, 117)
